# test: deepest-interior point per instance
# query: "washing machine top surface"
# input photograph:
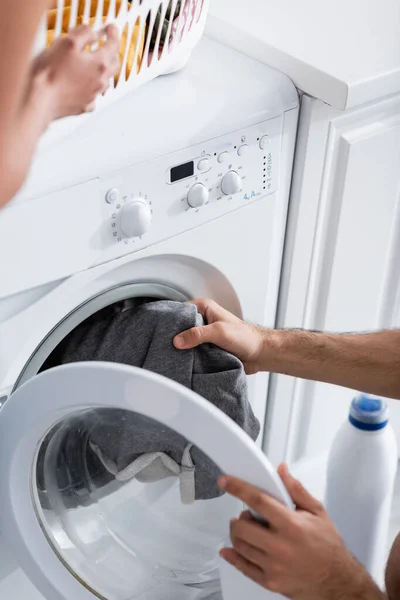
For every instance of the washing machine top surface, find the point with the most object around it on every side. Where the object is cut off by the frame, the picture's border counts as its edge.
(218, 91)
(80, 533)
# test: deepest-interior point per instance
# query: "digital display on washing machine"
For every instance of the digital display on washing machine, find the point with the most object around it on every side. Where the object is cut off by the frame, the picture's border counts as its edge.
(182, 171)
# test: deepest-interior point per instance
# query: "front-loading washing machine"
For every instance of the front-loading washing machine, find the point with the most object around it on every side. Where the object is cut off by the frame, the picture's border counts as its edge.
(177, 191)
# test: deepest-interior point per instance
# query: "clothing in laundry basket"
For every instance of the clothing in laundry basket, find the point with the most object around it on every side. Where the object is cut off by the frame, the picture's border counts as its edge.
(129, 445)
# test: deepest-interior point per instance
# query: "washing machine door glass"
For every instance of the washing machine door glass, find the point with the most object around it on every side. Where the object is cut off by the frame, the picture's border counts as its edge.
(110, 483)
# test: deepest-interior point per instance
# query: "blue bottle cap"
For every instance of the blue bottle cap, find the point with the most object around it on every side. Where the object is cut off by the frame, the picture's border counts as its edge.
(369, 413)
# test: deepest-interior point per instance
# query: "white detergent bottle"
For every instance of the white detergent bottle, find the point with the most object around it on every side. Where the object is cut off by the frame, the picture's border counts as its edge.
(362, 468)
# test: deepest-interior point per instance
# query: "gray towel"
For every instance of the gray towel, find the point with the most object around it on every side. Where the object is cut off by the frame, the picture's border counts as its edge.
(131, 445)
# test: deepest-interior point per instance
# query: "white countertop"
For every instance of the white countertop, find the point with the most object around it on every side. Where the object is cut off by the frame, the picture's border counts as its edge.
(345, 52)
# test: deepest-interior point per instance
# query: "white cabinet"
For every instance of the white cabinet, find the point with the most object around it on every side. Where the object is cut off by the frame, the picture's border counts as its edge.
(342, 258)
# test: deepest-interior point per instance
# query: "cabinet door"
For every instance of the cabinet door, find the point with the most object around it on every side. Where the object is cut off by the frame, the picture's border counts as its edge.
(342, 259)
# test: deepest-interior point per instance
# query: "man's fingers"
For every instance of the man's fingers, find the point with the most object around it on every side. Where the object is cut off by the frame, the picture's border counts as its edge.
(302, 499)
(249, 531)
(202, 304)
(247, 516)
(265, 506)
(208, 309)
(211, 311)
(252, 554)
(196, 336)
(244, 566)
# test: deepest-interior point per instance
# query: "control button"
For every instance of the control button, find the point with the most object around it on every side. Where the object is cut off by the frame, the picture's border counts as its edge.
(242, 150)
(112, 195)
(135, 218)
(223, 157)
(203, 164)
(264, 142)
(231, 183)
(197, 196)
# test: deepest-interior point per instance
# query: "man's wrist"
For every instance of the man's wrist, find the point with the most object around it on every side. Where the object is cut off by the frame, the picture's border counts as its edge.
(351, 581)
(294, 352)
(271, 354)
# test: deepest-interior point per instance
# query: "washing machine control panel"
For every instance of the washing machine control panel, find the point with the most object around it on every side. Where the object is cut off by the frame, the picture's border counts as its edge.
(177, 192)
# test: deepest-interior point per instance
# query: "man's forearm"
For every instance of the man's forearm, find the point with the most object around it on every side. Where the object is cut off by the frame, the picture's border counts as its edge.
(368, 590)
(348, 580)
(365, 590)
(367, 362)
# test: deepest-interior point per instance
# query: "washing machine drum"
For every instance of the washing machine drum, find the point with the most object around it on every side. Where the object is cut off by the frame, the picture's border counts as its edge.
(121, 446)
(80, 529)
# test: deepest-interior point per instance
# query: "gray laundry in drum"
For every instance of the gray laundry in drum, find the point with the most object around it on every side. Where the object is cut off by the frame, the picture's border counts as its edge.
(131, 445)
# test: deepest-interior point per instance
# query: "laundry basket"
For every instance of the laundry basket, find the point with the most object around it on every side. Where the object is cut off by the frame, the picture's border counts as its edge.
(157, 36)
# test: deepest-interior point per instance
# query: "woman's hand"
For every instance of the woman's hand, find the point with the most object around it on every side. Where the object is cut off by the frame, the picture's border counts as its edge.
(223, 329)
(74, 76)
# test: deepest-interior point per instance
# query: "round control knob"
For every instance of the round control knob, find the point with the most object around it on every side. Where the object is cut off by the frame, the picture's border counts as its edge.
(112, 195)
(242, 150)
(197, 196)
(231, 183)
(135, 218)
(264, 142)
(203, 164)
(223, 157)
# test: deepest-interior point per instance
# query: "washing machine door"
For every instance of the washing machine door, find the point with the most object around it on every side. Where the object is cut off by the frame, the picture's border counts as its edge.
(82, 528)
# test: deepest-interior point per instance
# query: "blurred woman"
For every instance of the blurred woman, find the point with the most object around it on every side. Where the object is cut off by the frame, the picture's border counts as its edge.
(63, 80)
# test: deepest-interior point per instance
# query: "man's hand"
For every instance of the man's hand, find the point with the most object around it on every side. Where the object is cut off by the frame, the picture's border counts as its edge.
(300, 555)
(226, 331)
(367, 362)
(75, 77)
